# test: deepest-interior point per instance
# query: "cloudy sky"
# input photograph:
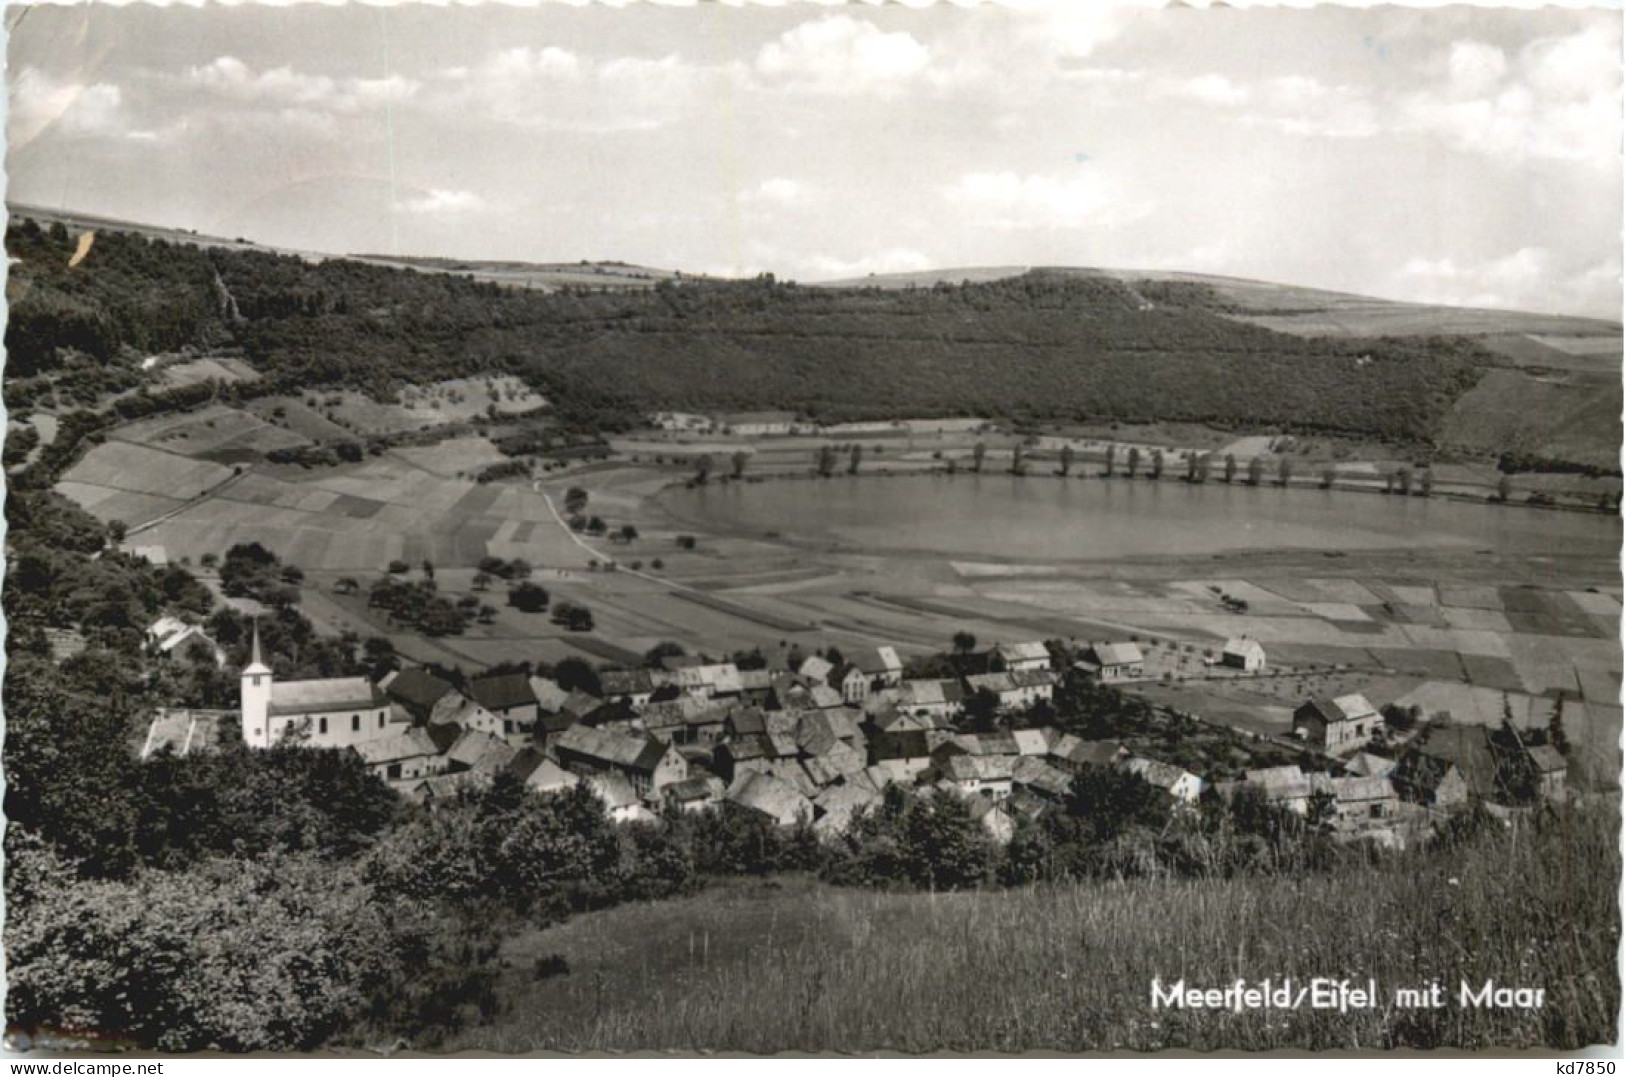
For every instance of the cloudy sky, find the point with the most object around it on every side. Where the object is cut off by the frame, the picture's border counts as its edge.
(1455, 155)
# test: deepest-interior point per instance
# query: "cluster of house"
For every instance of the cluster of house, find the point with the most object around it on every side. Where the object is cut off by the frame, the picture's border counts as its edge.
(816, 742)
(813, 743)
(1441, 768)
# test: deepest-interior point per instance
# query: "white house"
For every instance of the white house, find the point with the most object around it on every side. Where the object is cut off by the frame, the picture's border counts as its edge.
(171, 636)
(1337, 725)
(1244, 654)
(1016, 657)
(1177, 782)
(333, 712)
(1111, 662)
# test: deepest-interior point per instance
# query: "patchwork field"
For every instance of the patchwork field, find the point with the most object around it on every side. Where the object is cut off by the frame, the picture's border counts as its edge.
(362, 517)
(216, 432)
(420, 407)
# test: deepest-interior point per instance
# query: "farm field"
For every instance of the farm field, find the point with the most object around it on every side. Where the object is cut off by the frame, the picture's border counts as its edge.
(216, 432)
(419, 407)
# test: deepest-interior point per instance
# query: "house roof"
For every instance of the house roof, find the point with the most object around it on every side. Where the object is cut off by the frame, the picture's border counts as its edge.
(549, 696)
(1368, 765)
(1163, 775)
(1031, 741)
(328, 695)
(1468, 749)
(1241, 645)
(744, 721)
(1096, 753)
(837, 804)
(642, 753)
(929, 694)
(417, 687)
(878, 661)
(755, 680)
(478, 750)
(1046, 778)
(690, 790)
(1032, 651)
(824, 697)
(625, 682)
(614, 788)
(393, 747)
(1117, 654)
(1357, 790)
(539, 772)
(999, 683)
(502, 692)
(1342, 709)
(816, 669)
(984, 768)
(771, 796)
(901, 744)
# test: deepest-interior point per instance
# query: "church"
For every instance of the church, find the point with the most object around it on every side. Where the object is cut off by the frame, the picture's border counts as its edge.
(332, 712)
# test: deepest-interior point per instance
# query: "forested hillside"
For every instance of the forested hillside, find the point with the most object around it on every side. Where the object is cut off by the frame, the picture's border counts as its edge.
(1034, 347)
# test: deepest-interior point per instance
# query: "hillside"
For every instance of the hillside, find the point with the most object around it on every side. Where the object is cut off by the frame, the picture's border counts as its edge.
(789, 964)
(1049, 345)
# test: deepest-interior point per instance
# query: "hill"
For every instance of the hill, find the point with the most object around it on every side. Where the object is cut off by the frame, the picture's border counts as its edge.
(1047, 345)
(789, 964)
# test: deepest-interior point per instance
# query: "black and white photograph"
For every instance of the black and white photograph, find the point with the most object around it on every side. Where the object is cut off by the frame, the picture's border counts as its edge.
(813, 528)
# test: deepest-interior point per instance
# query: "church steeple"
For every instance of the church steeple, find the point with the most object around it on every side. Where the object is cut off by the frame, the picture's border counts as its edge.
(255, 696)
(255, 663)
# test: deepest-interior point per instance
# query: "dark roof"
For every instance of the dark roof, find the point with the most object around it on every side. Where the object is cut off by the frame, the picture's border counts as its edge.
(502, 692)
(901, 744)
(1469, 748)
(626, 682)
(417, 688)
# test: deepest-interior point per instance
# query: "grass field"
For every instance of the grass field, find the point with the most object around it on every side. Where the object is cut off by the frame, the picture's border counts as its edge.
(790, 964)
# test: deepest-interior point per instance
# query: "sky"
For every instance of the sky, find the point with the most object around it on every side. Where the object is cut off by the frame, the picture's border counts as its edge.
(1454, 155)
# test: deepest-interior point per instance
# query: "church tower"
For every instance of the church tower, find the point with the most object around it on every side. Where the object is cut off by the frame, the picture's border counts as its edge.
(256, 698)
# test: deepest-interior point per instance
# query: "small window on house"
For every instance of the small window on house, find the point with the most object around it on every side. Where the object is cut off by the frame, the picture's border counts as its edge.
(394, 770)
(321, 726)
(355, 723)
(507, 726)
(380, 719)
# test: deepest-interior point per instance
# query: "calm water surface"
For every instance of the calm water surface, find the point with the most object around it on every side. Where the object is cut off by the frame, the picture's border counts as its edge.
(1043, 517)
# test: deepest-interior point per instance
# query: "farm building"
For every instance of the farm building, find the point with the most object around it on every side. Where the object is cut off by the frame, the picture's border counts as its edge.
(694, 794)
(172, 637)
(1244, 654)
(1013, 657)
(645, 762)
(816, 670)
(773, 797)
(416, 694)
(1113, 662)
(406, 755)
(1177, 782)
(620, 796)
(510, 697)
(540, 773)
(634, 686)
(754, 424)
(988, 775)
(1336, 725)
(939, 699)
(1015, 691)
(903, 755)
(881, 665)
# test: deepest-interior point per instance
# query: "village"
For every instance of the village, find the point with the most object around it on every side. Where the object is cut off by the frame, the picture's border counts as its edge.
(815, 741)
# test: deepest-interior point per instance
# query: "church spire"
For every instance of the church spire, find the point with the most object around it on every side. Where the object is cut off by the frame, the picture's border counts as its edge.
(256, 664)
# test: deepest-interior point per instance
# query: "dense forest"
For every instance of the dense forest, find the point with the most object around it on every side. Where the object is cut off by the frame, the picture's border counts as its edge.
(1046, 345)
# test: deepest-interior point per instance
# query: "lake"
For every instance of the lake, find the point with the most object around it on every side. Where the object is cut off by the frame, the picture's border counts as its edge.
(1054, 519)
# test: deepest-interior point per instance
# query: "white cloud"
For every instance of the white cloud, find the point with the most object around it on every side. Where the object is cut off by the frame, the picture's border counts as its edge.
(1557, 99)
(1475, 67)
(778, 191)
(231, 79)
(1529, 278)
(1209, 89)
(1009, 200)
(552, 88)
(40, 101)
(841, 55)
(442, 203)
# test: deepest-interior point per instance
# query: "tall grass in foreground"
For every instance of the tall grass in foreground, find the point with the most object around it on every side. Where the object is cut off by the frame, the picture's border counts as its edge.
(789, 964)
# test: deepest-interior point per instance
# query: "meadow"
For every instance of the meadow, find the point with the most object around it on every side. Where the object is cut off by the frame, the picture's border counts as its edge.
(788, 963)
